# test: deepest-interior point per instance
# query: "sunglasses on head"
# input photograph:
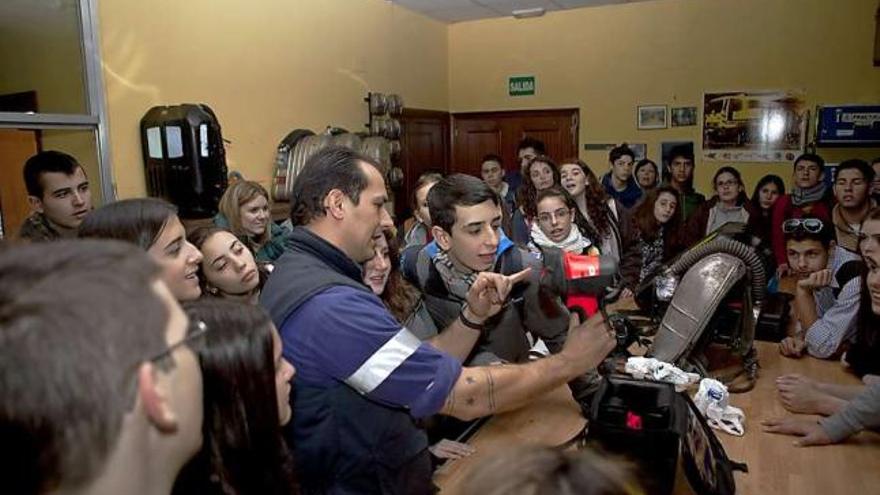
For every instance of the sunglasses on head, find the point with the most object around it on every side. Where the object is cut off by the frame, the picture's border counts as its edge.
(795, 225)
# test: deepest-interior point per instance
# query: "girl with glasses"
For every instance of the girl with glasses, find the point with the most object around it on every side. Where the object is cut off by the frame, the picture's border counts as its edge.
(730, 204)
(558, 223)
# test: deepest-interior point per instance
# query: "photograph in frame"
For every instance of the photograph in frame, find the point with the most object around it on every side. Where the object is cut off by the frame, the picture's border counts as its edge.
(638, 149)
(754, 126)
(652, 117)
(683, 116)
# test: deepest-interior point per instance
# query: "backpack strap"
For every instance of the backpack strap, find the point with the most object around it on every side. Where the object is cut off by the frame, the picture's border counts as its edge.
(427, 280)
(409, 265)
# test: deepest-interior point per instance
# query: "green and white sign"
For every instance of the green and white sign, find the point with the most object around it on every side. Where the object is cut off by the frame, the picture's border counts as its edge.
(521, 85)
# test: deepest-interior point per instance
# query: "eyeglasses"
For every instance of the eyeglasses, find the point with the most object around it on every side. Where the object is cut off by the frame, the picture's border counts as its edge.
(794, 225)
(727, 183)
(560, 214)
(194, 339)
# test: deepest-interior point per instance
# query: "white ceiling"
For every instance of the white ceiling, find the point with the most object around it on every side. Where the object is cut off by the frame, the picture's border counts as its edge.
(468, 10)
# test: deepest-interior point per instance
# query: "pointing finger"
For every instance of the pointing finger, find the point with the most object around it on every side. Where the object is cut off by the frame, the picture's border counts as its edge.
(520, 276)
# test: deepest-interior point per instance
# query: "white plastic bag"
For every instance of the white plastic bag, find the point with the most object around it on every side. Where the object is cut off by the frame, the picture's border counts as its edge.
(713, 401)
(650, 368)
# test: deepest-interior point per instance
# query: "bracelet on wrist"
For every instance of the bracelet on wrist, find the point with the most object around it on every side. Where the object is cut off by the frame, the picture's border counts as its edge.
(470, 323)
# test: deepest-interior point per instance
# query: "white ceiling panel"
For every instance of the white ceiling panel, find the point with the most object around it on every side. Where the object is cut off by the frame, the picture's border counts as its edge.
(467, 10)
(509, 5)
(576, 4)
(430, 5)
(459, 14)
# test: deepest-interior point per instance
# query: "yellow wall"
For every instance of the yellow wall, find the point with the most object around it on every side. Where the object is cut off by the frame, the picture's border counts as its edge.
(607, 60)
(265, 68)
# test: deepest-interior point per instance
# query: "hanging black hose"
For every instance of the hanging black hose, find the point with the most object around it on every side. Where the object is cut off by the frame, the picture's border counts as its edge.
(733, 248)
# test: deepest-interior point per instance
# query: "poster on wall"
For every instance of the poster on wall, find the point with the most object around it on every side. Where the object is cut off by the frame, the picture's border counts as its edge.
(754, 126)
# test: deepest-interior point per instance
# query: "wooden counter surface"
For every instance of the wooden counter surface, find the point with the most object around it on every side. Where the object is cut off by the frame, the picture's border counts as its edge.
(551, 420)
(775, 466)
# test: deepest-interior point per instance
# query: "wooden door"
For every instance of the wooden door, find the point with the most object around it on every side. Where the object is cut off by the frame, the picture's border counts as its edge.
(424, 148)
(475, 135)
(474, 138)
(16, 146)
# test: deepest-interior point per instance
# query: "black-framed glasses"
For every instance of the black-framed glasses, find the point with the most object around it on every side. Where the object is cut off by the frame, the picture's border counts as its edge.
(195, 336)
(794, 225)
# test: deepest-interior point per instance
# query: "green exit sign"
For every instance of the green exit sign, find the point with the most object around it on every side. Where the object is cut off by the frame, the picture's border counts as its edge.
(521, 85)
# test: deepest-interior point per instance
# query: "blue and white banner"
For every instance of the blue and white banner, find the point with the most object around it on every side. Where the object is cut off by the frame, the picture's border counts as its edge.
(849, 125)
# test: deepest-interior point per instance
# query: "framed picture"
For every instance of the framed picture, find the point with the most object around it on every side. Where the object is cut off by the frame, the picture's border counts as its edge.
(640, 150)
(684, 116)
(754, 126)
(652, 117)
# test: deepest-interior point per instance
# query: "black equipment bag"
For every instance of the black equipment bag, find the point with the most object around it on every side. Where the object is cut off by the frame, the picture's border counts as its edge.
(774, 317)
(656, 427)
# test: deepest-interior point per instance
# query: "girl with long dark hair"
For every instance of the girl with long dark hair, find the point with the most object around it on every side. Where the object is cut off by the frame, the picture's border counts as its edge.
(151, 224)
(246, 385)
(601, 211)
(864, 354)
(540, 173)
(228, 268)
(769, 189)
(382, 275)
(648, 234)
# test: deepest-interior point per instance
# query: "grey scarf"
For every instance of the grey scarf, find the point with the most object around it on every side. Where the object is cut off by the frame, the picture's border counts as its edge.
(801, 196)
(457, 282)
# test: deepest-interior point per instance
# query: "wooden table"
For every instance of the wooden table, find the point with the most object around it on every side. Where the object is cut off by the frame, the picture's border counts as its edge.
(775, 466)
(551, 420)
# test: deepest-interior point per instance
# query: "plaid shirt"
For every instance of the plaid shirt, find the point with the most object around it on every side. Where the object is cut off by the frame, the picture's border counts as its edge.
(36, 228)
(837, 308)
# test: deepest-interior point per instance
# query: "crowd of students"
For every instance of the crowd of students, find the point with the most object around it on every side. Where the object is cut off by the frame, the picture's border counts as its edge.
(250, 357)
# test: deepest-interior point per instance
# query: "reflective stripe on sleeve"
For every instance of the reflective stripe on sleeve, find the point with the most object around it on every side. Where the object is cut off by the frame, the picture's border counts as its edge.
(384, 361)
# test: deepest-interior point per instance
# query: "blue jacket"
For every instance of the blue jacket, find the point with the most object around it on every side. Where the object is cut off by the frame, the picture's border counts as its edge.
(628, 197)
(344, 442)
